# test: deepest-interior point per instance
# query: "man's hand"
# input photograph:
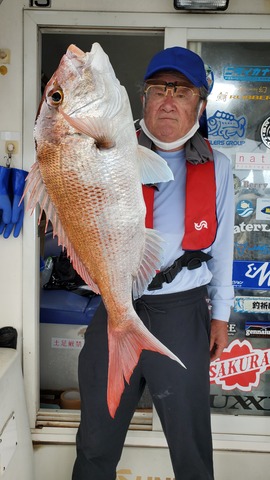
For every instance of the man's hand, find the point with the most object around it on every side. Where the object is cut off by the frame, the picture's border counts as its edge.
(218, 338)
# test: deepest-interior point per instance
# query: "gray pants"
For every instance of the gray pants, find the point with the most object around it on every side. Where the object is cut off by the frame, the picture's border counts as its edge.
(181, 397)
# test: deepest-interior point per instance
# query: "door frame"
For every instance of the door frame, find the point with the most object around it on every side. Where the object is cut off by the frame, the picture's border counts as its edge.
(179, 30)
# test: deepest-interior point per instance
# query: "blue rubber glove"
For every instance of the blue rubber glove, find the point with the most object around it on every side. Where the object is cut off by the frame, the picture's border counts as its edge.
(5, 202)
(18, 183)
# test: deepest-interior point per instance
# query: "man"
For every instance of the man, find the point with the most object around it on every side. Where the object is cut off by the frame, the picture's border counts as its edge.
(194, 214)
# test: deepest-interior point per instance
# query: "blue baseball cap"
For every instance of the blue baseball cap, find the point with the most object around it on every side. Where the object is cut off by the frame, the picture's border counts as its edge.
(182, 60)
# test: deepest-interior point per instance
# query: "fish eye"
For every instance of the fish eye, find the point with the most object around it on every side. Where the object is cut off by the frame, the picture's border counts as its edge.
(55, 96)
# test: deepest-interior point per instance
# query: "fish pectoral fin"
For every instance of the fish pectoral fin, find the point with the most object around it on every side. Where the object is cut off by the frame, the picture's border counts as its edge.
(151, 261)
(98, 128)
(153, 168)
(125, 348)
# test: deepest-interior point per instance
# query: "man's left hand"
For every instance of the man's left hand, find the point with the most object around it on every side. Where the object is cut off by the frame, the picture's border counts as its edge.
(218, 338)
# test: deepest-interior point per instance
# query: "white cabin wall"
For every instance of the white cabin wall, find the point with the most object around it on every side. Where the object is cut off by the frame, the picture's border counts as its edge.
(11, 36)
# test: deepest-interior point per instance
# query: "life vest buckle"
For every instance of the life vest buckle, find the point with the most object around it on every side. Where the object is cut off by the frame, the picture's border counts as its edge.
(190, 259)
(194, 263)
(170, 273)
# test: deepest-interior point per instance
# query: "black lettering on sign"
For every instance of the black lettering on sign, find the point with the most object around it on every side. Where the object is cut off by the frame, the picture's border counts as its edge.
(40, 3)
(238, 402)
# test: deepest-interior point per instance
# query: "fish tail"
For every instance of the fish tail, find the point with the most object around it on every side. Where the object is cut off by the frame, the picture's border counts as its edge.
(125, 347)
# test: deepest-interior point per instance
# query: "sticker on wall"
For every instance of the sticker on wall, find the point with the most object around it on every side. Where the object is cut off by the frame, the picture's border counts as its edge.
(251, 275)
(259, 186)
(263, 209)
(222, 97)
(240, 366)
(247, 73)
(257, 89)
(251, 304)
(237, 404)
(265, 132)
(252, 161)
(227, 128)
(257, 329)
(209, 77)
(251, 251)
(67, 343)
(236, 183)
(244, 208)
(252, 227)
(232, 329)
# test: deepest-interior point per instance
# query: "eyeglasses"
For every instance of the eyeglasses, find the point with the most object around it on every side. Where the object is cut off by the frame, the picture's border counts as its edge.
(160, 90)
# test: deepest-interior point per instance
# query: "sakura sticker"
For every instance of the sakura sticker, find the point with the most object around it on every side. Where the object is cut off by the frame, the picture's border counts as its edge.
(240, 366)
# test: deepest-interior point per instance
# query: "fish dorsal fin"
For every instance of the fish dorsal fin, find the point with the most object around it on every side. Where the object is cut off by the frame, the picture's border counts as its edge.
(38, 194)
(151, 261)
(98, 128)
(153, 168)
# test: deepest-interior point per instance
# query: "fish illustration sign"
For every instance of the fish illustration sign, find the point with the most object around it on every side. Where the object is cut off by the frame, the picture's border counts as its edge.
(227, 128)
(244, 208)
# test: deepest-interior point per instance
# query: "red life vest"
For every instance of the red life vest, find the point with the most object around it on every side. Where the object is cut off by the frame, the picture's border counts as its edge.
(200, 208)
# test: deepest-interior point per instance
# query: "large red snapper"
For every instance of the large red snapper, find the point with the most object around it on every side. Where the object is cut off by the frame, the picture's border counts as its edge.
(87, 179)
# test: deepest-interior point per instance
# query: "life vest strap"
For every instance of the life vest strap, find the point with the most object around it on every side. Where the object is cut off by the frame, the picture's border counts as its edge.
(190, 259)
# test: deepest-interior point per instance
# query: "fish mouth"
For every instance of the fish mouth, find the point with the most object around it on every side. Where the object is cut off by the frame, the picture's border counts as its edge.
(76, 56)
(95, 67)
(96, 58)
(74, 50)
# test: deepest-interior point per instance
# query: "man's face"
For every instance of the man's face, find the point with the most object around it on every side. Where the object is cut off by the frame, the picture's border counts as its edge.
(168, 117)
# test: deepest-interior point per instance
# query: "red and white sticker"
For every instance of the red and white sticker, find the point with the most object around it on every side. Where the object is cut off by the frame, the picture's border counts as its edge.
(240, 366)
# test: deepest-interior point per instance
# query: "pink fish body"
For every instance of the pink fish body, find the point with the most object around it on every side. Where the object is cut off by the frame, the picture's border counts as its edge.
(87, 179)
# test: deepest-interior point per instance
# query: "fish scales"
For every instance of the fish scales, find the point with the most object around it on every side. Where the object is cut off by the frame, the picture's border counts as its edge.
(87, 178)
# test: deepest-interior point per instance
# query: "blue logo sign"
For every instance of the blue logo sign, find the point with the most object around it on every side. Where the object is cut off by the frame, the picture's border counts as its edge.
(266, 210)
(226, 125)
(247, 73)
(209, 77)
(244, 208)
(256, 329)
(251, 275)
(242, 249)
